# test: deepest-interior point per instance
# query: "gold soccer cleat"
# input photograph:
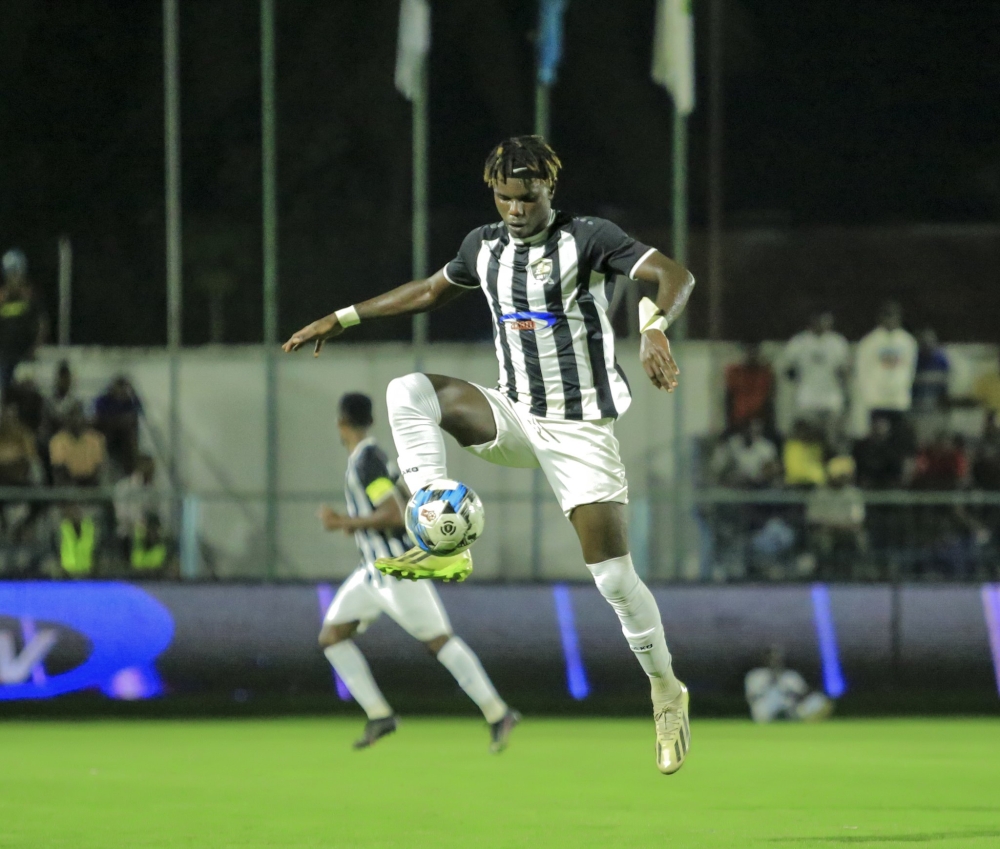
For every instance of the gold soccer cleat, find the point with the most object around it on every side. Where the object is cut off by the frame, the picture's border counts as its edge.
(673, 733)
(416, 564)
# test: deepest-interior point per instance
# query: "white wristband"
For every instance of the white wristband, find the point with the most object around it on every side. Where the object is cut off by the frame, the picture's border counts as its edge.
(348, 317)
(651, 317)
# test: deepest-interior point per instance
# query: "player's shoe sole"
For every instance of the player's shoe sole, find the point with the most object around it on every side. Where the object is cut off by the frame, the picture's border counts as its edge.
(673, 733)
(500, 731)
(418, 564)
(375, 730)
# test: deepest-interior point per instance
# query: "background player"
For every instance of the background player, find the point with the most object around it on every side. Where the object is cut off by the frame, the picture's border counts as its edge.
(376, 520)
(560, 389)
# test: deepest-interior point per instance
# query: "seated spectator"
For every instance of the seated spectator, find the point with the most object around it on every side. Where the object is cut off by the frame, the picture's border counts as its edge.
(116, 415)
(135, 500)
(816, 361)
(76, 542)
(775, 692)
(63, 397)
(150, 554)
(78, 453)
(17, 449)
(986, 466)
(881, 457)
(835, 516)
(942, 464)
(805, 456)
(747, 459)
(749, 392)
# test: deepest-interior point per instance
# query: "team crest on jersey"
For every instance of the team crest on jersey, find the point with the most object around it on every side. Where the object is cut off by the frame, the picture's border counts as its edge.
(528, 320)
(541, 270)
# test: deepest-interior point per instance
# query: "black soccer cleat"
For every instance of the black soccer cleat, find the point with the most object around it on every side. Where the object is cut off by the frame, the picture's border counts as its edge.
(500, 730)
(375, 730)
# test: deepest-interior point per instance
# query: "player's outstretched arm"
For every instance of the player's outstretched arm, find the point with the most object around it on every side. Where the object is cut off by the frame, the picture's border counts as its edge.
(673, 288)
(410, 298)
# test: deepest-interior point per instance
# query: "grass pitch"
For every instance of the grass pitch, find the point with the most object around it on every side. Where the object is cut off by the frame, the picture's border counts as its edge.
(563, 783)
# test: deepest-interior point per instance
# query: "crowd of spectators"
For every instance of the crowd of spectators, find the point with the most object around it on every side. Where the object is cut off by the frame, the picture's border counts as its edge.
(106, 518)
(877, 421)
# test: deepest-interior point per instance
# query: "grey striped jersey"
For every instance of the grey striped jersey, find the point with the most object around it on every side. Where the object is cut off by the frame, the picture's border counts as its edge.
(548, 295)
(371, 478)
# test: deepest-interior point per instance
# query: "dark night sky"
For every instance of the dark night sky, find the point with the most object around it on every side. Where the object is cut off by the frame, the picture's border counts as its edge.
(837, 112)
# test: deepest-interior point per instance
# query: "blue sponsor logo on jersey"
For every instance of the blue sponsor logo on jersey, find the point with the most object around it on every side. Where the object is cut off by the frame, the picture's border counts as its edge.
(126, 629)
(529, 320)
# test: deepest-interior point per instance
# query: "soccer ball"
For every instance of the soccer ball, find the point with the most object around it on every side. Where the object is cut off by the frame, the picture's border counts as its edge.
(445, 517)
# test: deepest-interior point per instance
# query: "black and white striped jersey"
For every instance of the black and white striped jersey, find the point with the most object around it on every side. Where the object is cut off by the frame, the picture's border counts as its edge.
(549, 302)
(369, 481)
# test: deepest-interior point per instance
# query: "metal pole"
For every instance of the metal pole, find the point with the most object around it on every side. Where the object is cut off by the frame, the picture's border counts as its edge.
(716, 119)
(542, 101)
(420, 200)
(65, 288)
(682, 497)
(270, 228)
(172, 144)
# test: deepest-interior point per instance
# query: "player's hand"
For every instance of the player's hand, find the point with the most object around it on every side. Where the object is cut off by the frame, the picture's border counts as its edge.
(658, 362)
(331, 519)
(317, 332)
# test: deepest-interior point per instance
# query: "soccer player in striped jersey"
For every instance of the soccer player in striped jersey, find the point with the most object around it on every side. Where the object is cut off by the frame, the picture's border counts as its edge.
(375, 517)
(544, 275)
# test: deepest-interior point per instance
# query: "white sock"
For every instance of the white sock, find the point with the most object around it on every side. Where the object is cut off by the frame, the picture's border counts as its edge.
(415, 417)
(461, 661)
(640, 617)
(353, 670)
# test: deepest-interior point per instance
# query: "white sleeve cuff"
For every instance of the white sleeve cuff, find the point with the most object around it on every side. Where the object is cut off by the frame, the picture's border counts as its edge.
(447, 277)
(640, 261)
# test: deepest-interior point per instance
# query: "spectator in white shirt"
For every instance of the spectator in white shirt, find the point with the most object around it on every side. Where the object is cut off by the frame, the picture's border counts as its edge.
(816, 360)
(885, 367)
(747, 459)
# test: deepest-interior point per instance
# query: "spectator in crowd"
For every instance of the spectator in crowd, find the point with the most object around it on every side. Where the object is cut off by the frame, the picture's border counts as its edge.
(22, 325)
(986, 466)
(117, 412)
(775, 692)
(747, 459)
(885, 367)
(930, 386)
(749, 392)
(17, 449)
(835, 517)
(805, 456)
(62, 399)
(942, 463)
(78, 452)
(151, 556)
(136, 500)
(816, 360)
(881, 457)
(77, 542)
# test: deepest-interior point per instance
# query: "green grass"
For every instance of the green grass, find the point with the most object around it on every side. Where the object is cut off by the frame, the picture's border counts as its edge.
(572, 783)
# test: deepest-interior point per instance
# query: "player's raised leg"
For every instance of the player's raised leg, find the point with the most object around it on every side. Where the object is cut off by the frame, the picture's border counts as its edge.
(420, 407)
(603, 535)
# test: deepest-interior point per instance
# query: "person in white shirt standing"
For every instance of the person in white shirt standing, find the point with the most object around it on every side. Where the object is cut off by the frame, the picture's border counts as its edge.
(816, 360)
(885, 367)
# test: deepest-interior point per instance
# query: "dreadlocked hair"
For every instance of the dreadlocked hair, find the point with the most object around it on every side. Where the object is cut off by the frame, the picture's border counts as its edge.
(523, 158)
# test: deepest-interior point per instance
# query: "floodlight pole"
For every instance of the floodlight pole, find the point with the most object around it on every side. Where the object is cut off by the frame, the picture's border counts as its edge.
(270, 251)
(172, 146)
(682, 496)
(420, 222)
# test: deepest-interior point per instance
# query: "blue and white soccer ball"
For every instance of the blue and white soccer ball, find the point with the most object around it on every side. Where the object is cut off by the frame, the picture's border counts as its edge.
(445, 517)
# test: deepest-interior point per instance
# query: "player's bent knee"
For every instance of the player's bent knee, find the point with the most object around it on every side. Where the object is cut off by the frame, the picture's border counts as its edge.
(331, 634)
(616, 578)
(435, 644)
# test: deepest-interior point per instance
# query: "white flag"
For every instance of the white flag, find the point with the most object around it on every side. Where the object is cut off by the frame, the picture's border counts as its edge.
(413, 45)
(673, 52)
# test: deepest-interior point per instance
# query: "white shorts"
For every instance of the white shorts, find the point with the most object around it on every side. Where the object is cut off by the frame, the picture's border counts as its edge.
(366, 594)
(579, 459)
